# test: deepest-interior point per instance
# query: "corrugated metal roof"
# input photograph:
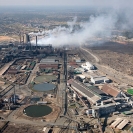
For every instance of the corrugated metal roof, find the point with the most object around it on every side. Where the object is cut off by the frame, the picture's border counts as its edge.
(110, 90)
(12, 71)
(96, 90)
(104, 78)
(123, 124)
(84, 90)
(81, 88)
(116, 122)
(47, 60)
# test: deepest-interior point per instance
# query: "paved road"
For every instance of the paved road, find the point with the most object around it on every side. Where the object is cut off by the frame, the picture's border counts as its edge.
(5, 67)
(111, 73)
(33, 74)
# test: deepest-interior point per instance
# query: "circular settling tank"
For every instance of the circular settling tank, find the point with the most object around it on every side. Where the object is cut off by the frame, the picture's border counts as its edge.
(44, 87)
(37, 110)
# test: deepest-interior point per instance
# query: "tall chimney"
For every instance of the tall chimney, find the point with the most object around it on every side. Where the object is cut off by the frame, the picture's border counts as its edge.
(14, 96)
(23, 39)
(20, 38)
(36, 42)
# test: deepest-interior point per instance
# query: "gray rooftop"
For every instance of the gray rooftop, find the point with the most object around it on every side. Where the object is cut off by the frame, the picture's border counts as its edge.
(96, 90)
(87, 93)
(100, 78)
(81, 88)
(49, 61)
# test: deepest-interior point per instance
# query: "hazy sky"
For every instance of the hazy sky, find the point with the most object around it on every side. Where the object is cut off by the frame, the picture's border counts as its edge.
(114, 3)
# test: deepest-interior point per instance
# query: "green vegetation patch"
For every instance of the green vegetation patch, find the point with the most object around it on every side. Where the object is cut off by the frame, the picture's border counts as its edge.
(127, 112)
(130, 91)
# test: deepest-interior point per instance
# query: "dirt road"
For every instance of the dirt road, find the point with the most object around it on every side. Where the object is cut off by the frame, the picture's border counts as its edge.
(111, 73)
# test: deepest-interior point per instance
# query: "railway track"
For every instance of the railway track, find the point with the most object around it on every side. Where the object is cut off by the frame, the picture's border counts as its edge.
(66, 129)
(10, 87)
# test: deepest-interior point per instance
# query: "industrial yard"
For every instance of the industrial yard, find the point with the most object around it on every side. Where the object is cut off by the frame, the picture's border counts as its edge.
(79, 83)
(64, 92)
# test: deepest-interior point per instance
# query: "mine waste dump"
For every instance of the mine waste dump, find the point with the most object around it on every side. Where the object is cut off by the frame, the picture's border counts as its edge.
(44, 87)
(37, 110)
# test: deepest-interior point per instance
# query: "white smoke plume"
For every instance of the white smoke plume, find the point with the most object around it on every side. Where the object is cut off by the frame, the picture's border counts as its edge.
(96, 27)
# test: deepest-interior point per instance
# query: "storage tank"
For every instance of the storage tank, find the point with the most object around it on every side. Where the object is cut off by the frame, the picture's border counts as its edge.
(20, 97)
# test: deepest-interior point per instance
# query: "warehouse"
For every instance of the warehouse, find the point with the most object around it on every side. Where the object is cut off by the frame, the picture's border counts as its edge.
(95, 90)
(99, 79)
(84, 91)
(116, 122)
(110, 90)
(105, 109)
(12, 71)
(49, 61)
(123, 124)
(53, 66)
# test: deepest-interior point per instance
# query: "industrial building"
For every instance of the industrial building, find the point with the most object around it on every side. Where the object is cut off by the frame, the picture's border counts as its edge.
(12, 71)
(123, 124)
(105, 109)
(49, 61)
(119, 123)
(116, 122)
(92, 97)
(95, 89)
(112, 91)
(53, 66)
(99, 79)
(49, 64)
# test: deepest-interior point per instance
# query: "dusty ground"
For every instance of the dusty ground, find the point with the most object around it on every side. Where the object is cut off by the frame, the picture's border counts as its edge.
(16, 128)
(50, 117)
(115, 55)
(5, 38)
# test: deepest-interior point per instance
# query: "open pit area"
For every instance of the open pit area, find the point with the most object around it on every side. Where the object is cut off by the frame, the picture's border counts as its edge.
(117, 56)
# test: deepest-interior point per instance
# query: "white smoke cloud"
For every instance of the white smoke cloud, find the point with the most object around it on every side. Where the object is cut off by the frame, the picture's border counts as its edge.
(97, 27)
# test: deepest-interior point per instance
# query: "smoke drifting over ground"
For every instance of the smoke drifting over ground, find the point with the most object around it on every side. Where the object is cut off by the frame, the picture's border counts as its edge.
(100, 26)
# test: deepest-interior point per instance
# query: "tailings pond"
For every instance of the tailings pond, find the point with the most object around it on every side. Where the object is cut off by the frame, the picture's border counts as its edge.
(37, 110)
(44, 87)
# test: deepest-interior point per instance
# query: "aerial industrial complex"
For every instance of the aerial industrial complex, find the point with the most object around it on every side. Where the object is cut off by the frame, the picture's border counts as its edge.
(54, 90)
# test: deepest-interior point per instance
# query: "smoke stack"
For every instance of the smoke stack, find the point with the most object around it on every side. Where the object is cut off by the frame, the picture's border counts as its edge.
(36, 42)
(20, 38)
(14, 96)
(23, 39)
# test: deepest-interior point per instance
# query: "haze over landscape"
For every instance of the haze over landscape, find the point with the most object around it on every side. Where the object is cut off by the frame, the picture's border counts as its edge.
(114, 3)
(111, 15)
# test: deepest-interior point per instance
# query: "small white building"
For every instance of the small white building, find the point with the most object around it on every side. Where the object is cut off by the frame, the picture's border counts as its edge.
(88, 66)
(99, 79)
